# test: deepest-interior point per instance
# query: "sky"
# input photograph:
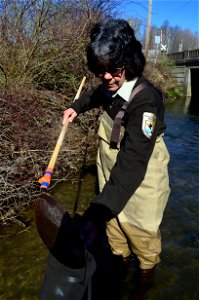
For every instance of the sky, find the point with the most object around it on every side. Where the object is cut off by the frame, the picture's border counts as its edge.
(182, 13)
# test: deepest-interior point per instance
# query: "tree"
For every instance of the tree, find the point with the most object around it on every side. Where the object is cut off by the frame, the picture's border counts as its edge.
(44, 41)
(177, 39)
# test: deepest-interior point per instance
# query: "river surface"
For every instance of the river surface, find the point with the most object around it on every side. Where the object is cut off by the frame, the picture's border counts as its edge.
(23, 254)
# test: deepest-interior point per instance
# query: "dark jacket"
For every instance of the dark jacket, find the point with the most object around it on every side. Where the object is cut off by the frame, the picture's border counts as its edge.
(135, 148)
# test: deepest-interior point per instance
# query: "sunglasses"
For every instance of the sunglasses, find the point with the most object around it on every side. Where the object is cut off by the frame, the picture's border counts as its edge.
(112, 70)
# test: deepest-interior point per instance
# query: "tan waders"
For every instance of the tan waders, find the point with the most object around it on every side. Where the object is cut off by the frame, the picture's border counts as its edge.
(140, 219)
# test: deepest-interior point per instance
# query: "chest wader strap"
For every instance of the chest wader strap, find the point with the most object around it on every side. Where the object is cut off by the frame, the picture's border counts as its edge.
(115, 134)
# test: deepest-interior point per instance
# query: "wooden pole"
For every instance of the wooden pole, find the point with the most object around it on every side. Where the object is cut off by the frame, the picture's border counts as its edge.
(45, 180)
(63, 132)
(148, 29)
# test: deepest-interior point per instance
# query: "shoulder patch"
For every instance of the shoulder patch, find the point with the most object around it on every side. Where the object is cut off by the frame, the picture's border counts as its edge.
(148, 124)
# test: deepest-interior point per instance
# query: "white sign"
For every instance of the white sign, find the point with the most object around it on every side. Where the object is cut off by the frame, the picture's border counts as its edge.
(157, 39)
(163, 48)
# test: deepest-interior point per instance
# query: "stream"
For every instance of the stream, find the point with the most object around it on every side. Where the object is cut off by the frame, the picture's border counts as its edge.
(23, 256)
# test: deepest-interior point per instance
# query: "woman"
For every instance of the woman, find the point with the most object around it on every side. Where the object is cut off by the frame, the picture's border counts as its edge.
(132, 157)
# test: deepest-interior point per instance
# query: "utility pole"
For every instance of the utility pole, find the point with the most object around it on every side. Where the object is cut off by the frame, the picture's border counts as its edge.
(148, 29)
(109, 9)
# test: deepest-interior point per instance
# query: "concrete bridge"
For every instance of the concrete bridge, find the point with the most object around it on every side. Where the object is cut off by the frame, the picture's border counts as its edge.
(186, 71)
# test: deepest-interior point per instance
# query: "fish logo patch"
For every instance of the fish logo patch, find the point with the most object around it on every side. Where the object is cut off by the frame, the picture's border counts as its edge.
(148, 124)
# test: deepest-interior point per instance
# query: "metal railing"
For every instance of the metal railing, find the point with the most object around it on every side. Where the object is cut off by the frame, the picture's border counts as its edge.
(184, 55)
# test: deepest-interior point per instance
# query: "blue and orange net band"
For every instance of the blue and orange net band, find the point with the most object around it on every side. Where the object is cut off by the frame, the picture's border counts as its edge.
(46, 179)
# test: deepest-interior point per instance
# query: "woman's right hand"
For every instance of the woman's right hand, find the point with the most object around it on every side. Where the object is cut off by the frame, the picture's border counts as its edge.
(69, 115)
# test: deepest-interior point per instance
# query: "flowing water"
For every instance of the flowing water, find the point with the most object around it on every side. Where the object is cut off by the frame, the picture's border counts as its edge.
(23, 255)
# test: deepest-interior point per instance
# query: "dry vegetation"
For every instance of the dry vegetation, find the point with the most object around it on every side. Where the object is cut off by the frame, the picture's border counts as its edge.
(42, 49)
(30, 125)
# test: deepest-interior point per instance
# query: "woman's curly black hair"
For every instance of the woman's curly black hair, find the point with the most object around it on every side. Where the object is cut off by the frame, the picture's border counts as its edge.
(113, 44)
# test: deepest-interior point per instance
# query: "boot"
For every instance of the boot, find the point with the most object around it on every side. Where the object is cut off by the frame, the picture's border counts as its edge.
(145, 278)
(130, 264)
(131, 261)
(143, 282)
